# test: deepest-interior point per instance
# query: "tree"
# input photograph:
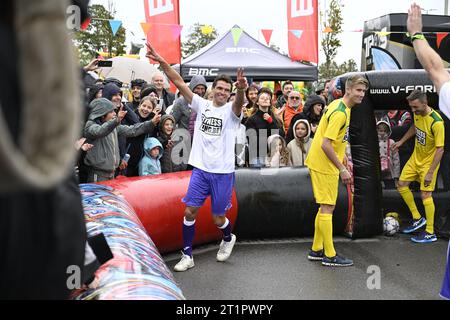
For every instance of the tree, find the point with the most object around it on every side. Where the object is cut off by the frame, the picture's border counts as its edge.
(348, 66)
(330, 41)
(196, 40)
(334, 70)
(98, 36)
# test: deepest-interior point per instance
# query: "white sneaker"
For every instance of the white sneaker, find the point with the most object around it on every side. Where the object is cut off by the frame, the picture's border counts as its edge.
(185, 263)
(225, 249)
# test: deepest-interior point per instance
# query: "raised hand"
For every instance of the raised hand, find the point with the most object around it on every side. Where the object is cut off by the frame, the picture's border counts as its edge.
(122, 113)
(152, 54)
(241, 82)
(92, 66)
(414, 22)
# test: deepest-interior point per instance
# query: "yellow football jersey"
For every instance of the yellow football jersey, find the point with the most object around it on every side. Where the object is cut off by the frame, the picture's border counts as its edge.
(334, 126)
(430, 134)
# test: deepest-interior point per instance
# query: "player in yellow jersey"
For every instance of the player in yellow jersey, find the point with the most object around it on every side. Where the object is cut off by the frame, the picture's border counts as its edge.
(325, 166)
(423, 164)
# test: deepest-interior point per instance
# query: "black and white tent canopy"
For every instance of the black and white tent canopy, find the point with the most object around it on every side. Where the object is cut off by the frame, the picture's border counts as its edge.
(259, 61)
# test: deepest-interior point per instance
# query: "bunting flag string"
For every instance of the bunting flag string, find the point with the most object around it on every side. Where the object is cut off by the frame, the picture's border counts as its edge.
(267, 33)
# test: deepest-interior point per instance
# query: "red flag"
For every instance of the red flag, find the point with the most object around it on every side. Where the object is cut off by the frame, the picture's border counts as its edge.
(303, 19)
(162, 15)
(267, 33)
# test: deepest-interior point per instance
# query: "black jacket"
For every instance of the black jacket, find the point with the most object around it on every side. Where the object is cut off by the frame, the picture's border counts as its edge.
(135, 147)
(257, 122)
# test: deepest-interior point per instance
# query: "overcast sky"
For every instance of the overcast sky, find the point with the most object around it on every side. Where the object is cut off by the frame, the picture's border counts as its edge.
(254, 15)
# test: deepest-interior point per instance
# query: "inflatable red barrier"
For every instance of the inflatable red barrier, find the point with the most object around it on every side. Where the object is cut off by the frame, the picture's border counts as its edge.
(157, 202)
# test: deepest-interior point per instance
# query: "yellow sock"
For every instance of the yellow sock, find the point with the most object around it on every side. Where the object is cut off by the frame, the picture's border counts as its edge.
(409, 200)
(318, 238)
(428, 204)
(326, 228)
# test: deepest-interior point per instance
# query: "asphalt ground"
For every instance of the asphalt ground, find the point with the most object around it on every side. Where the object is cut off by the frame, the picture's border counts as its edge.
(384, 268)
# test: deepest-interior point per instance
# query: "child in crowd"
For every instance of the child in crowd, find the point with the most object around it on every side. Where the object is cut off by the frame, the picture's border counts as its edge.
(153, 151)
(171, 162)
(389, 159)
(278, 155)
(299, 147)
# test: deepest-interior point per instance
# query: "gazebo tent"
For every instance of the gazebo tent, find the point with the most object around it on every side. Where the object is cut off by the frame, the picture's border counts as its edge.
(259, 61)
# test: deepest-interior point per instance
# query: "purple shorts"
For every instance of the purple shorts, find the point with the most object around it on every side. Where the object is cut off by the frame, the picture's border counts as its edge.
(218, 185)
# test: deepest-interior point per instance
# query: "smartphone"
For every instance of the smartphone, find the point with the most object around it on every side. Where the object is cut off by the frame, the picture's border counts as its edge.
(159, 103)
(105, 63)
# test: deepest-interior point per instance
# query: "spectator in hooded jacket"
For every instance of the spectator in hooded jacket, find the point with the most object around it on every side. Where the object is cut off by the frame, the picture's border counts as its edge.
(181, 110)
(313, 110)
(102, 130)
(95, 92)
(299, 147)
(389, 159)
(150, 164)
(172, 157)
(113, 93)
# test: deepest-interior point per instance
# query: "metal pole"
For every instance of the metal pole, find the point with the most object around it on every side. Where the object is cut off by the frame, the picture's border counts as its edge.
(446, 8)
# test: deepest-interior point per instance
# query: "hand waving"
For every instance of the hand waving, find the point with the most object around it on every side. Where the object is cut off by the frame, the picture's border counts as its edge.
(152, 54)
(414, 22)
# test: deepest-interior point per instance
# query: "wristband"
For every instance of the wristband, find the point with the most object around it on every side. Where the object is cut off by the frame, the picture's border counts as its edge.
(343, 170)
(416, 36)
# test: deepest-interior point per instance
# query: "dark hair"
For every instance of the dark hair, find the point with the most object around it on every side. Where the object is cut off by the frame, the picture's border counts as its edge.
(138, 83)
(224, 78)
(418, 95)
(286, 83)
(265, 90)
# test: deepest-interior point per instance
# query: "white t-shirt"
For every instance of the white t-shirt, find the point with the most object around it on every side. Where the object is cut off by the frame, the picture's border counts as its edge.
(444, 99)
(214, 136)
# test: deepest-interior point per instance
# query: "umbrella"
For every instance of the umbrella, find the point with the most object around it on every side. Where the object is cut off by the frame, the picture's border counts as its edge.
(126, 69)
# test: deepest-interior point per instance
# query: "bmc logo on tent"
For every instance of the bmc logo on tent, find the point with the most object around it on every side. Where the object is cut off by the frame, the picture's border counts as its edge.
(242, 50)
(203, 72)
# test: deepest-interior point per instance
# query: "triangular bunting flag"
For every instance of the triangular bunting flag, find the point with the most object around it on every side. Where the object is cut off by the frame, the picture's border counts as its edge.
(297, 33)
(176, 30)
(85, 24)
(145, 27)
(439, 37)
(327, 30)
(206, 30)
(115, 25)
(267, 33)
(236, 32)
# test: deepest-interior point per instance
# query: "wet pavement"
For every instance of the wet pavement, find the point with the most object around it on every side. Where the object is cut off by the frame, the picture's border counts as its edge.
(280, 270)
